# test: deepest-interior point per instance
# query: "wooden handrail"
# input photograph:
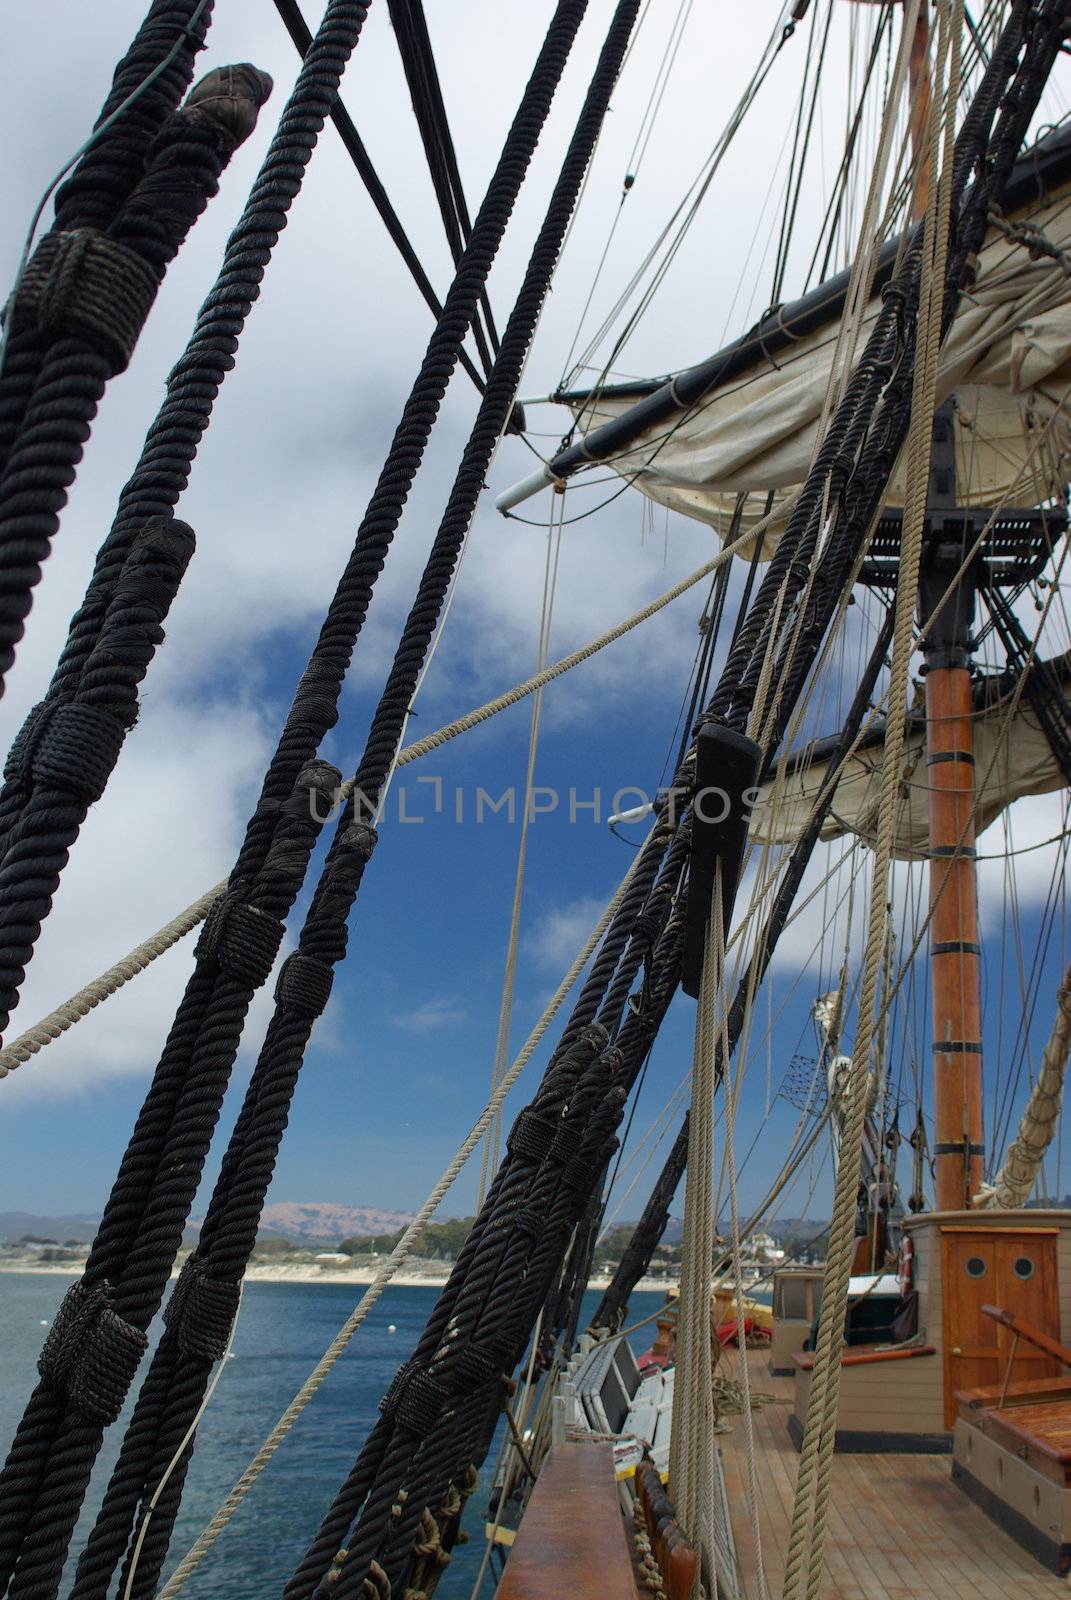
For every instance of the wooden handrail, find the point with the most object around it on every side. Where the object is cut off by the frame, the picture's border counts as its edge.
(804, 1359)
(1026, 1330)
(572, 1541)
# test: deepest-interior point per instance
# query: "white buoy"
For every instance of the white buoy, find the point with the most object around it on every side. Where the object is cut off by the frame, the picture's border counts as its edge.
(44, 1323)
(391, 1328)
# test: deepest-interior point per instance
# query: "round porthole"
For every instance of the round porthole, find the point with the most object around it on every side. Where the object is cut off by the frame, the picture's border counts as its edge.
(976, 1267)
(1023, 1267)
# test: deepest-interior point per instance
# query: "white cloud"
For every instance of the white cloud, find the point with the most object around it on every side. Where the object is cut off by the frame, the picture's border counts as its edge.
(559, 933)
(430, 1016)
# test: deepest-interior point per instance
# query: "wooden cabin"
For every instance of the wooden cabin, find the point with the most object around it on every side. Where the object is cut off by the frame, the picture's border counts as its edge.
(903, 1398)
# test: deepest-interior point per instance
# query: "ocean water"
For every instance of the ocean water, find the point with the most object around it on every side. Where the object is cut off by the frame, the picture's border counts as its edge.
(283, 1330)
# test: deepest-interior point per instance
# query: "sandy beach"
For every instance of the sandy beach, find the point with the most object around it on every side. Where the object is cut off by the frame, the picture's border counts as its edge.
(304, 1272)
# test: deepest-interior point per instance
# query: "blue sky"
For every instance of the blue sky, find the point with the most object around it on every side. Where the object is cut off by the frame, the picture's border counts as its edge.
(401, 1063)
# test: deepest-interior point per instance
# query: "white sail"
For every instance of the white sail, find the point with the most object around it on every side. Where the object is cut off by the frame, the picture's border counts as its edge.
(1012, 755)
(1007, 359)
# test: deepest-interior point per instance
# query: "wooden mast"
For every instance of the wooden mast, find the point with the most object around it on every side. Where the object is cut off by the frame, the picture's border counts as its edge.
(955, 957)
(954, 950)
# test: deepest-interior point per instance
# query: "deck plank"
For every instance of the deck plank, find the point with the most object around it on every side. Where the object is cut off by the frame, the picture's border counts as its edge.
(899, 1528)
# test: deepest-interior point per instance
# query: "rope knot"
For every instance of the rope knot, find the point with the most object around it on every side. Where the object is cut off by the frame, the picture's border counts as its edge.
(80, 283)
(242, 939)
(77, 748)
(201, 1311)
(91, 1355)
(304, 986)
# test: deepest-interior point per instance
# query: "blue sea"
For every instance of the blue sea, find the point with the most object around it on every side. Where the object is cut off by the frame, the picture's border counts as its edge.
(283, 1330)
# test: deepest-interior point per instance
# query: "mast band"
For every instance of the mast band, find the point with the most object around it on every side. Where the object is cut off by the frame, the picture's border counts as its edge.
(957, 1047)
(954, 1149)
(950, 755)
(950, 852)
(956, 947)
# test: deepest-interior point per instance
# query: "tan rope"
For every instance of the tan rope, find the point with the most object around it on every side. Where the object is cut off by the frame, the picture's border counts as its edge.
(691, 1451)
(1012, 1185)
(83, 1002)
(489, 1161)
(813, 1485)
(391, 1264)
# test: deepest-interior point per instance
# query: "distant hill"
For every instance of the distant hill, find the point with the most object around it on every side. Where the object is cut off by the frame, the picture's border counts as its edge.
(795, 1230)
(287, 1219)
(76, 1225)
(315, 1219)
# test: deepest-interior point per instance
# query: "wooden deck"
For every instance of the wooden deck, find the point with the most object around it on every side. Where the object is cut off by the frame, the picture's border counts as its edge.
(899, 1528)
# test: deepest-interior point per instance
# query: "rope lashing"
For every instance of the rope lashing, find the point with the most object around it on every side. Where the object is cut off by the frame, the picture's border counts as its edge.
(84, 285)
(82, 302)
(149, 82)
(173, 1390)
(61, 763)
(201, 1310)
(91, 1355)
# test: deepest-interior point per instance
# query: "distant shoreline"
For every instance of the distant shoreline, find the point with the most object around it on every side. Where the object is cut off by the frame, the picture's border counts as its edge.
(309, 1273)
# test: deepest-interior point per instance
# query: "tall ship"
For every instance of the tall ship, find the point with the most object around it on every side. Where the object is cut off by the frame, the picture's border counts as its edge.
(868, 778)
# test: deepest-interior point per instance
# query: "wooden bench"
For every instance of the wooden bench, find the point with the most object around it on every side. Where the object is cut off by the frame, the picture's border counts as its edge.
(1021, 1392)
(1040, 1434)
(571, 1544)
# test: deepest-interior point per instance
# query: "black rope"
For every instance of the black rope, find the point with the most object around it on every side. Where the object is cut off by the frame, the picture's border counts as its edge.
(636, 1257)
(298, 29)
(418, 60)
(107, 172)
(179, 1373)
(64, 766)
(84, 295)
(848, 480)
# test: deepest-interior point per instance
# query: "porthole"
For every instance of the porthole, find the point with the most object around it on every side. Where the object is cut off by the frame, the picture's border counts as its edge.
(976, 1267)
(1023, 1267)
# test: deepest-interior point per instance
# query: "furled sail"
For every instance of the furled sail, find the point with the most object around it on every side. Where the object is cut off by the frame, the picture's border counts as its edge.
(1006, 361)
(1013, 758)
